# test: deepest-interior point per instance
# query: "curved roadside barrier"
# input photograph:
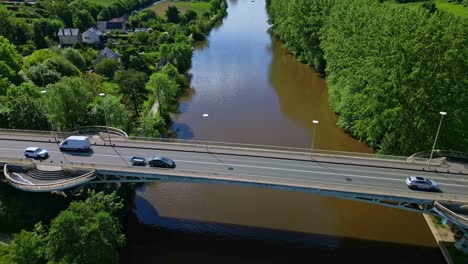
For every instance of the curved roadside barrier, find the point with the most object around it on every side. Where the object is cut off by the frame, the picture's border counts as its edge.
(442, 154)
(93, 129)
(454, 217)
(17, 181)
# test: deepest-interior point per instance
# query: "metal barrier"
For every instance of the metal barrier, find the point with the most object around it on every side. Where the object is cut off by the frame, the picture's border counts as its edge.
(112, 130)
(211, 145)
(450, 214)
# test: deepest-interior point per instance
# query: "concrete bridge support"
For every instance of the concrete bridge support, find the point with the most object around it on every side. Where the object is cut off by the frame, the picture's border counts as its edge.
(462, 244)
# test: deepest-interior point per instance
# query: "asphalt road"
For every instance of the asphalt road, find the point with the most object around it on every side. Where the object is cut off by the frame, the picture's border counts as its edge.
(385, 179)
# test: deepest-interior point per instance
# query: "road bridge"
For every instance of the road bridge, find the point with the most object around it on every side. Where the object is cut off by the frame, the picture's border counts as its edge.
(370, 178)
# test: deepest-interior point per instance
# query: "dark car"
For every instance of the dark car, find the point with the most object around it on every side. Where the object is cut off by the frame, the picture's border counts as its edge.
(161, 162)
(138, 161)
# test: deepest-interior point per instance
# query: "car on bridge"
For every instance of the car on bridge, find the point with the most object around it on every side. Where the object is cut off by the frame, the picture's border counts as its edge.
(420, 183)
(138, 161)
(36, 153)
(161, 162)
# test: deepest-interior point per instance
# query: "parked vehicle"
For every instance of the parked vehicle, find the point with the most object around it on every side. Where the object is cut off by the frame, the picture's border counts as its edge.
(421, 183)
(162, 162)
(79, 143)
(138, 161)
(35, 152)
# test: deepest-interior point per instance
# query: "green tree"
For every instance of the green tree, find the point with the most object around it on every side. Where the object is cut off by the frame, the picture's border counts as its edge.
(38, 57)
(45, 28)
(75, 57)
(6, 25)
(68, 102)
(172, 14)
(10, 60)
(62, 66)
(150, 126)
(83, 20)
(164, 89)
(117, 114)
(104, 15)
(28, 247)
(42, 75)
(191, 15)
(106, 67)
(84, 234)
(132, 87)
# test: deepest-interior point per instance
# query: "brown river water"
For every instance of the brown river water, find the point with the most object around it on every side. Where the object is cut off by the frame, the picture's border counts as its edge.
(255, 92)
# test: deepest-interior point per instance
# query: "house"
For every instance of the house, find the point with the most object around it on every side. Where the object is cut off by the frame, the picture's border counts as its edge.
(92, 36)
(69, 36)
(116, 24)
(106, 53)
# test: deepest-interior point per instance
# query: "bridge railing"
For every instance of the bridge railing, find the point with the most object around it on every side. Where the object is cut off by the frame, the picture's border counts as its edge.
(66, 133)
(211, 146)
(225, 146)
(454, 216)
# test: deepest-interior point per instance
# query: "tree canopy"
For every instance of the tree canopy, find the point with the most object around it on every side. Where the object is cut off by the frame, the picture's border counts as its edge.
(390, 70)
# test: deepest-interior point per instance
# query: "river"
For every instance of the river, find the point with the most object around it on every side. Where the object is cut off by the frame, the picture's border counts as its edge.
(255, 92)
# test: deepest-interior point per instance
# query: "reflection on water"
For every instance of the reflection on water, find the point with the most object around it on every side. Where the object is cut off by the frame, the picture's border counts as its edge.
(255, 92)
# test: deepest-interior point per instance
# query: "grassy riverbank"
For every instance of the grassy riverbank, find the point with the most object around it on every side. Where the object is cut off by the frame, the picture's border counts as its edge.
(451, 7)
(102, 2)
(199, 7)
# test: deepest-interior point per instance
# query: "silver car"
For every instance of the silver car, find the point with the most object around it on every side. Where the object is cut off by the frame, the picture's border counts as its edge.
(35, 152)
(420, 183)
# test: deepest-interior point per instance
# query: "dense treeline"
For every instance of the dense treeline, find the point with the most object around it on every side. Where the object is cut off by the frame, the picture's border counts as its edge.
(389, 70)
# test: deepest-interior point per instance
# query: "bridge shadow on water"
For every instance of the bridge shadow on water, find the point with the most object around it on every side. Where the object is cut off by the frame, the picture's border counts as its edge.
(152, 238)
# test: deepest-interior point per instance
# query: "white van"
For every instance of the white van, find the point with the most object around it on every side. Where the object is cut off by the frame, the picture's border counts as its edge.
(80, 143)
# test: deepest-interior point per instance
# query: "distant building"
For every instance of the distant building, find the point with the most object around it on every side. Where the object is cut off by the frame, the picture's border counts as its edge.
(92, 36)
(106, 53)
(69, 36)
(116, 24)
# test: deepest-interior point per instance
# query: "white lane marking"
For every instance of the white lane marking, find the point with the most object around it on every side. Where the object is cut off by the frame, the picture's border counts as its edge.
(330, 183)
(310, 172)
(21, 178)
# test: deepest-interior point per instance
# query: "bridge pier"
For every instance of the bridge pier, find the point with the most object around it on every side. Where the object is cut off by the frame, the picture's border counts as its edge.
(462, 244)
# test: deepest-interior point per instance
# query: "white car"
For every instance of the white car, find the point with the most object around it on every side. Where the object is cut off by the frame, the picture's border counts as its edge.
(35, 152)
(422, 184)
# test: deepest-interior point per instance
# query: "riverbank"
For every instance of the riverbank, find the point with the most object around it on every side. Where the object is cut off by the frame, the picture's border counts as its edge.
(445, 239)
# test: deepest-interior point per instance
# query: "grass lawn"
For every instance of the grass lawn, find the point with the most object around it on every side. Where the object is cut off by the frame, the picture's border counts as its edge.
(183, 6)
(103, 2)
(454, 8)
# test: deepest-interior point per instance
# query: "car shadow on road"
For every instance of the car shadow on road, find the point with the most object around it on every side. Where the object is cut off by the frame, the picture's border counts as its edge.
(87, 153)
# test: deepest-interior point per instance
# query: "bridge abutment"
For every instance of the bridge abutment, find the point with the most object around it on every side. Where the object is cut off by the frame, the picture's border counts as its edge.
(462, 244)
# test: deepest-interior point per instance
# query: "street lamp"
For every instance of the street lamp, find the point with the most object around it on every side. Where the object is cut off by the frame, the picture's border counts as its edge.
(442, 114)
(314, 122)
(47, 111)
(206, 116)
(105, 116)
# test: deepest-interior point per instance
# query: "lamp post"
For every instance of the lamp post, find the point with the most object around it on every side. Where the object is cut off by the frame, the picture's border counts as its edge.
(44, 92)
(442, 114)
(105, 116)
(314, 122)
(205, 116)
